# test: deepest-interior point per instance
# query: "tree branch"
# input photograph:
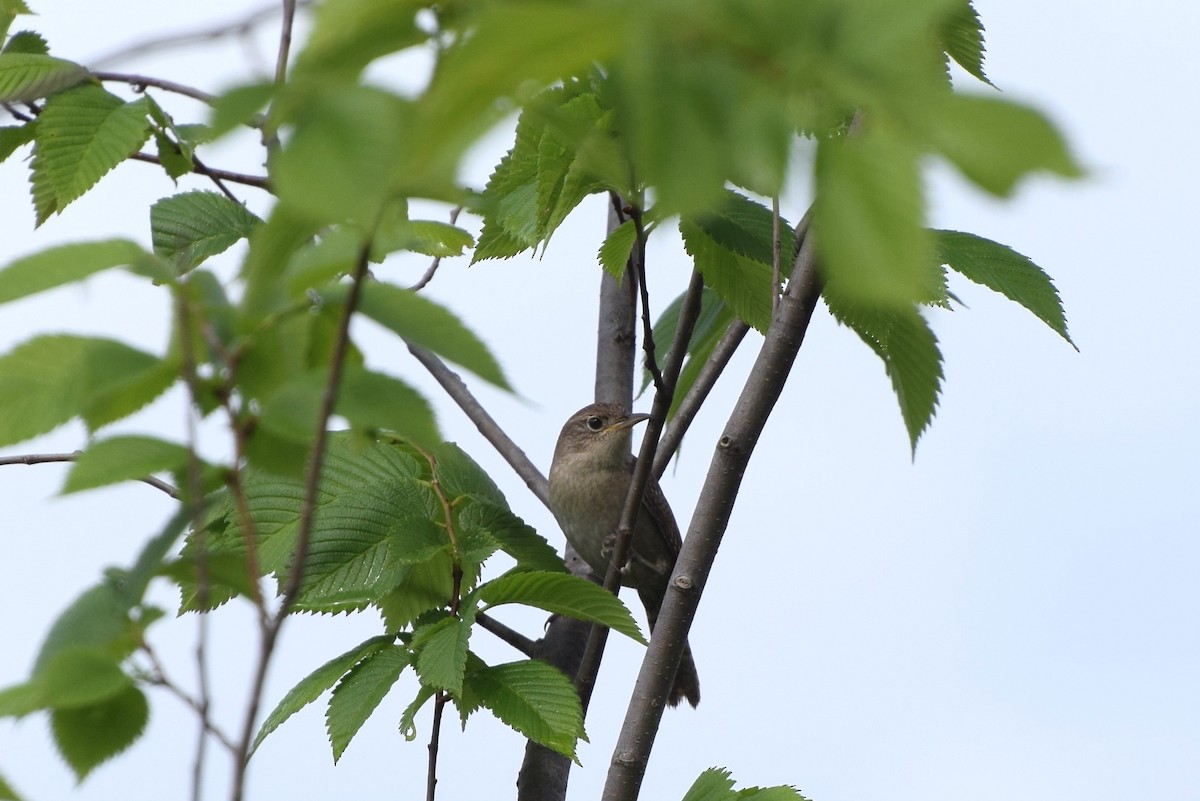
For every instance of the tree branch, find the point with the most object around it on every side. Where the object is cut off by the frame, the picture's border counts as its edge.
(711, 517)
(256, 181)
(511, 636)
(47, 458)
(458, 392)
(139, 83)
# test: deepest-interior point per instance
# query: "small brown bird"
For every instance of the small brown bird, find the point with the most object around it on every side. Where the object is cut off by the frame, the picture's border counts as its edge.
(589, 480)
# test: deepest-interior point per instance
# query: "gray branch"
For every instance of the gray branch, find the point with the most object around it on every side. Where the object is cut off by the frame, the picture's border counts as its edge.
(711, 517)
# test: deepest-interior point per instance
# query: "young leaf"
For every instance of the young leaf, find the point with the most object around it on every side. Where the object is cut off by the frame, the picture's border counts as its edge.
(908, 348)
(51, 379)
(1006, 271)
(442, 652)
(192, 226)
(715, 784)
(123, 458)
(65, 264)
(359, 693)
(510, 533)
(14, 136)
(962, 38)
(90, 735)
(312, 686)
(82, 134)
(564, 594)
(616, 249)
(25, 77)
(534, 698)
(27, 42)
(173, 158)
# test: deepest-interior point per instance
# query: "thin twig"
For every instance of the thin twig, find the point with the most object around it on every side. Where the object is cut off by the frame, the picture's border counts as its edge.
(437, 260)
(256, 181)
(47, 458)
(511, 636)
(16, 113)
(690, 404)
(158, 677)
(308, 509)
(492, 432)
(637, 268)
(285, 41)
(139, 83)
(174, 42)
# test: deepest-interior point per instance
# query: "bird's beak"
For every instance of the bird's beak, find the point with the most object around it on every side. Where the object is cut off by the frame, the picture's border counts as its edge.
(629, 422)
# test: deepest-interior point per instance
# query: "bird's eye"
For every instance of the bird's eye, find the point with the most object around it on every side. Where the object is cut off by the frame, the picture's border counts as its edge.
(595, 423)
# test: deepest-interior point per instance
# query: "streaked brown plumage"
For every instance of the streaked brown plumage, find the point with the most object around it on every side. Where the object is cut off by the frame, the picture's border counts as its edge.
(589, 480)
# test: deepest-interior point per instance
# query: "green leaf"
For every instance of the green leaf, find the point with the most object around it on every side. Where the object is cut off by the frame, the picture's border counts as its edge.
(82, 134)
(151, 560)
(516, 538)
(442, 652)
(26, 42)
(239, 106)
(174, 160)
(7, 793)
(564, 594)
(1006, 271)
(534, 698)
(65, 264)
(13, 137)
(349, 34)
(408, 720)
(616, 249)
(312, 686)
(422, 322)
(910, 354)
(715, 784)
(342, 161)
(193, 226)
(123, 394)
(52, 379)
(367, 399)
(995, 143)
(25, 77)
(459, 475)
(962, 38)
(123, 458)
(98, 618)
(743, 284)
(430, 237)
(359, 692)
(868, 213)
(80, 676)
(87, 736)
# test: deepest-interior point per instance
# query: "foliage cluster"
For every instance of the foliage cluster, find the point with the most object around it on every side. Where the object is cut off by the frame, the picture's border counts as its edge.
(685, 113)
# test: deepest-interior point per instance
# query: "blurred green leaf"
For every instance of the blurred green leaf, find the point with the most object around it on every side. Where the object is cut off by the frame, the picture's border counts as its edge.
(123, 458)
(349, 34)
(88, 736)
(65, 264)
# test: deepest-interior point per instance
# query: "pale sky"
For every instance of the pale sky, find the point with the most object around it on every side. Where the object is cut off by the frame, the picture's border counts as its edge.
(1011, 615)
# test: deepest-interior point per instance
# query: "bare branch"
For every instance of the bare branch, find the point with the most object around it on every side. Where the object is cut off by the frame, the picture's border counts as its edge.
(139, 83)
(511, 636)
(711, 517)
(457, 390)
(285, 41)
(256, 181)
(47, 458)
(158, 677)
(240, 27)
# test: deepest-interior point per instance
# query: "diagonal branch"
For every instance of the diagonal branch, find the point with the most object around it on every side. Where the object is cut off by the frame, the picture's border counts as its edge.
(734, 448)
